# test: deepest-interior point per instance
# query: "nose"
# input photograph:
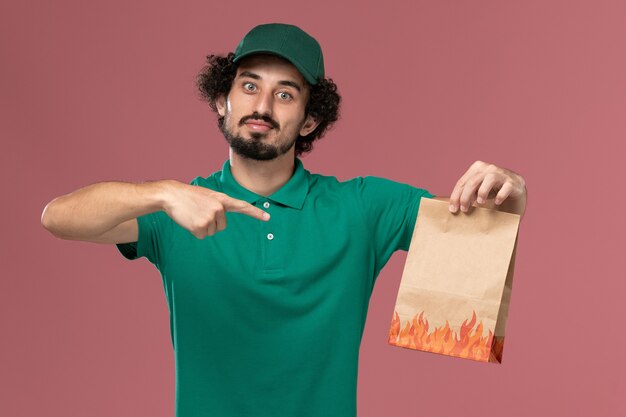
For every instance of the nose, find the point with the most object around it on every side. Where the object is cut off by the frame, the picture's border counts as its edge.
(264, 102)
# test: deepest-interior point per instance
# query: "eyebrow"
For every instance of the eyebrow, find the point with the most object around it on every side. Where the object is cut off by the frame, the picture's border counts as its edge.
(282, 82)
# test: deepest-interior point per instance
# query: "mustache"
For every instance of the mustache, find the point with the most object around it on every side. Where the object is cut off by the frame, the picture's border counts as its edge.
(257, 116)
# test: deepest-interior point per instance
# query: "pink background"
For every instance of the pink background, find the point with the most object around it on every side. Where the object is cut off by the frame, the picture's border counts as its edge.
(94, 91)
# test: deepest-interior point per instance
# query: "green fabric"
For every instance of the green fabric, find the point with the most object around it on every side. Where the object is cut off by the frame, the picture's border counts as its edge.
(289, 42)
(271, 327)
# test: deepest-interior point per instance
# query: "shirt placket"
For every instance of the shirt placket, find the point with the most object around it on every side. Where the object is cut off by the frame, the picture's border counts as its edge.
(270, 237)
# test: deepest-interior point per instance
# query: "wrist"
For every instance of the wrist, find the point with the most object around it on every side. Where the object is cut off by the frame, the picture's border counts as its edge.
(159, 194)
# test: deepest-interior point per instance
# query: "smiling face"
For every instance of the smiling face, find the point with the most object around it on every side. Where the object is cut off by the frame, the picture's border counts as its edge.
(264, 112)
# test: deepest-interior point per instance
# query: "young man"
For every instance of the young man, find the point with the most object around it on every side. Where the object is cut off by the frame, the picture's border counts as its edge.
(267, 315)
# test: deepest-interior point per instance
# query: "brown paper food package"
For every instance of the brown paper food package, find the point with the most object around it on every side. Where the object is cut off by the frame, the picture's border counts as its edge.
(456, 285)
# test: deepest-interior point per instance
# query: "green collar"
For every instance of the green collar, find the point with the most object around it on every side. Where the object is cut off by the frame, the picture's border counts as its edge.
(292, 194)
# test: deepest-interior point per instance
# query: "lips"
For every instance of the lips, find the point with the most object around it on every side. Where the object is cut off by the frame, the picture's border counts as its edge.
(258, 125)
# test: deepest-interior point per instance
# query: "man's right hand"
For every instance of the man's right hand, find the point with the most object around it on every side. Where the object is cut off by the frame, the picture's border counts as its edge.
(202, 211)
(107, 212)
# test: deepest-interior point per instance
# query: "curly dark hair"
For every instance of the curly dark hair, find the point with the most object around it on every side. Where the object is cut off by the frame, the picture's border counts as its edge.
(217, 75)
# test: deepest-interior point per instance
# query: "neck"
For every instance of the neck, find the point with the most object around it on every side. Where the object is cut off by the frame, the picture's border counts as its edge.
(262, 177)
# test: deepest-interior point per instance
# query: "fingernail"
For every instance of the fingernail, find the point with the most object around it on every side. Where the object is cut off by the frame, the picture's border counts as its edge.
(463, 208)
(480, 200)
(266, 216)
(452, 208)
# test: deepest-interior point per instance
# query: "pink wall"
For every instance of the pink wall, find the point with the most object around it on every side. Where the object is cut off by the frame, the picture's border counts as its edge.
(94, 91)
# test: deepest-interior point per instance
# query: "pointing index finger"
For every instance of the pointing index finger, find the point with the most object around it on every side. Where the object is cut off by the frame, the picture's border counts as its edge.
(240, 206)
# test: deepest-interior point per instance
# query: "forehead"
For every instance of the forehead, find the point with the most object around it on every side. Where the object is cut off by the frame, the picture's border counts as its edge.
(271, 66)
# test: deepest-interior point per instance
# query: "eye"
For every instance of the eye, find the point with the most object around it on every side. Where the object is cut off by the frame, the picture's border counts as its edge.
(284, 95)
(249, 86)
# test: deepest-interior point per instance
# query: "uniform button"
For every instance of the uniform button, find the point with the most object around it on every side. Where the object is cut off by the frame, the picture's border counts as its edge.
(266, 204)
(270, 236)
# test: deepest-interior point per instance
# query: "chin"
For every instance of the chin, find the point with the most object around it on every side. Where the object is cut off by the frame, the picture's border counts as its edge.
(257, 135)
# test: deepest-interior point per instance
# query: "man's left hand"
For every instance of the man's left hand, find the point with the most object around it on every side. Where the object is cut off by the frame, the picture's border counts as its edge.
(483, 181)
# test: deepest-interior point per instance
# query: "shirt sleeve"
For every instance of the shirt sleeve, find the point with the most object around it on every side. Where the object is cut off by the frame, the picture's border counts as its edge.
(391, 211)
(154, 231)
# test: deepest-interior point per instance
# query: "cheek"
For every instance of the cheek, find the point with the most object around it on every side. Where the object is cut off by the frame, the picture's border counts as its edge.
(233, 118)
(295, 119)
(238, 106)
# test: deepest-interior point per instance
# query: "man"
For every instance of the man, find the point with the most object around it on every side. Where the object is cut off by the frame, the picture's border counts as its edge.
(267, 308)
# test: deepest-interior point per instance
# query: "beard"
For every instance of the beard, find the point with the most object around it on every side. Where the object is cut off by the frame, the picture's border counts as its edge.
(254, 148)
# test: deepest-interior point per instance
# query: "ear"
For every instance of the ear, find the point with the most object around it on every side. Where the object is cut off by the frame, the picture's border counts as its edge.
(310, 123)
(220, 103)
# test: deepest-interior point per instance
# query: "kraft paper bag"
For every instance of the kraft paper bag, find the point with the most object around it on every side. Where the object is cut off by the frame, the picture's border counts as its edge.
(456, 285)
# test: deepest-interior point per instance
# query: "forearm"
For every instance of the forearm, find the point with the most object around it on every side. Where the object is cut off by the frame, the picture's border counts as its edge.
(97, 208)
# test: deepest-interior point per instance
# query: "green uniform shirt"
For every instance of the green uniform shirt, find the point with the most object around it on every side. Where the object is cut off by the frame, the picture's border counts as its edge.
(266, 318)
